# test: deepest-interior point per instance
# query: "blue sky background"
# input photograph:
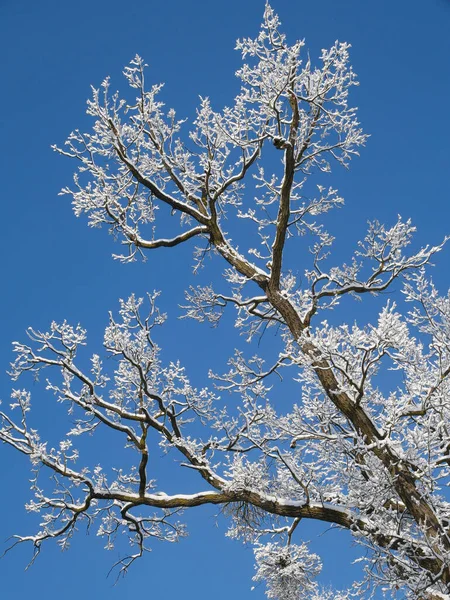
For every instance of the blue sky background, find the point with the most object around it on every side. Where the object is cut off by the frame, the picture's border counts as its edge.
(53, 267)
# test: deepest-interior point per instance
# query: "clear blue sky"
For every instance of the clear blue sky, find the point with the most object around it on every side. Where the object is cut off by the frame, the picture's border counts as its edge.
(53, 267)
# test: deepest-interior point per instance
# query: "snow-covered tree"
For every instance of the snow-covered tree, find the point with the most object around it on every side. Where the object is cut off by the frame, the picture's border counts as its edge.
(364, 446)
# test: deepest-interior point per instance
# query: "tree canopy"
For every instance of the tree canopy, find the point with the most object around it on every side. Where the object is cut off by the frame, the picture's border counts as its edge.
(364, 445)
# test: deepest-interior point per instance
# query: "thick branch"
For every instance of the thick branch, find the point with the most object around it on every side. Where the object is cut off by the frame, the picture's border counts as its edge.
(284, 508)
(285, 196)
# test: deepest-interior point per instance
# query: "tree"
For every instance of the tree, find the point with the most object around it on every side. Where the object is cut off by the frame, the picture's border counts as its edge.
(364, 449)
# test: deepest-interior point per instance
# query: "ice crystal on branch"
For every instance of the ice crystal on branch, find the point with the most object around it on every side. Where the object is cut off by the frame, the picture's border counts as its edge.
(288, 571)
